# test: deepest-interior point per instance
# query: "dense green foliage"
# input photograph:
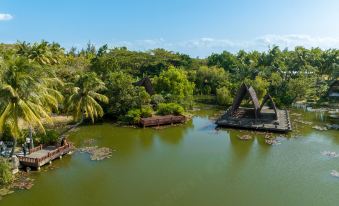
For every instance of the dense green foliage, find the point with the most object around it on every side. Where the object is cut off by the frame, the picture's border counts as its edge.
(279, 72)
(174, 86)
(208, 79)
(39, 79)
(49, 138)
(224, 96)
(6, 175)
(133, 116)
(170, 108)
(82, 101)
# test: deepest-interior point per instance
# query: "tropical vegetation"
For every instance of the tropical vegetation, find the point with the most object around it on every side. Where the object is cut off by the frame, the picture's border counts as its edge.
(43, 79)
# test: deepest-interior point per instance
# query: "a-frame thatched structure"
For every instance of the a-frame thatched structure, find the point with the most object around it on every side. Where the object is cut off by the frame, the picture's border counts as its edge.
(256, 117)
(241, 94)
(145, 82)
(269, 98)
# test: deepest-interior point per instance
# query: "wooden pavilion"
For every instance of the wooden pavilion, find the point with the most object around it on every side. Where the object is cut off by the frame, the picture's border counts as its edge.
(257, 116)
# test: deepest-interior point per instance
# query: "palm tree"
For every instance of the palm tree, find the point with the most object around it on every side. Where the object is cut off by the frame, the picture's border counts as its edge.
(84, 96)
(43, 53)
(26, 96)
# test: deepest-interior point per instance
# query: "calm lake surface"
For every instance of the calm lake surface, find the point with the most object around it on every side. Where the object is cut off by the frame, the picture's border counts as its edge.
(191, 165)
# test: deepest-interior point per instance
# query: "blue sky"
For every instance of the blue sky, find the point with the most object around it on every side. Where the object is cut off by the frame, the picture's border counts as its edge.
(195, 27)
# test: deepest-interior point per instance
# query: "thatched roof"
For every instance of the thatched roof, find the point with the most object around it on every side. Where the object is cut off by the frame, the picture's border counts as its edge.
(241, 94)
(145, 82)
(266, 98)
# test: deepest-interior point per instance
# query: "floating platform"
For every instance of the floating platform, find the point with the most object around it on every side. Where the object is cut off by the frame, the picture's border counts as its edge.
(162, 120)
(40, 155)
(269, 120)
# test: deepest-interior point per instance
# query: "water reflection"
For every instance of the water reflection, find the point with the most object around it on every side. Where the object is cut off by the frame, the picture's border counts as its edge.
(240, 148)
(191, 164)
(174, 134)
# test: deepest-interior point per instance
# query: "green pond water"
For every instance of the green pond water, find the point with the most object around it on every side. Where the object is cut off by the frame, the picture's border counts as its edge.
(191, 165)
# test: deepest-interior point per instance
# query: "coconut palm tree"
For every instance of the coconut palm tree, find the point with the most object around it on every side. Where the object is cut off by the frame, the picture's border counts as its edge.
(43, 53)
(25, 96)
(84, 96)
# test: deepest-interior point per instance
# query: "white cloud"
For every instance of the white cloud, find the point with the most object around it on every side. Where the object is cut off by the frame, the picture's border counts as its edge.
(206, 45)
(5, 17)
(293, 40)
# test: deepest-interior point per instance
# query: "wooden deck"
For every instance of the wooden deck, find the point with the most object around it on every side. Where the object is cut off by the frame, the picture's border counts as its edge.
(266, 121)
(40, 155)
(162, 120)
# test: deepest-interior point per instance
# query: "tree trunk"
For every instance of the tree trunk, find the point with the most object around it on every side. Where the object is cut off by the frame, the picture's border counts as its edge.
(14, 146)
(31, 143)
(82, 119)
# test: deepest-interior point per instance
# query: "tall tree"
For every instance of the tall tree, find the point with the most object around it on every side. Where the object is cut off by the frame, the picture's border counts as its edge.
(83, 100)
(25, 96)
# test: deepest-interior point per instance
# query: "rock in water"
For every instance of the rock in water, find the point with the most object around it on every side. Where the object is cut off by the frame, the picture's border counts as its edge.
(272, 141)
(5, 191)
(335, 173)
(330, 154)
(89, 142)
(245, 137)
(332, 126)
(101, 153)
(320, 128)
(97, 153)
(303, 122)
(22, 182)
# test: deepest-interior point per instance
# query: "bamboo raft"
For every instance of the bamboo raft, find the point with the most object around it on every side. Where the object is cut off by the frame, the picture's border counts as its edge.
(40, 155)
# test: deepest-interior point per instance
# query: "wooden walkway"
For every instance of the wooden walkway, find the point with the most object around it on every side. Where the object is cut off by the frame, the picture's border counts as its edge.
(266, 122)
(40, 155)
(162, 120)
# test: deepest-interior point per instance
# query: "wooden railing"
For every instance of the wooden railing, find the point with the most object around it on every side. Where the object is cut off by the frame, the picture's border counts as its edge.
(28, 160)
(35, 149)
(50, 155)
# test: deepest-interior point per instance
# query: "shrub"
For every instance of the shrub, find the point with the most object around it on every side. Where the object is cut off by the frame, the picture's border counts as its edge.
(170, 108)
(146, 112)
(174, 85)
(157, 99)
(224, 96)
(6, 175)
(51, 137)
(133, 116)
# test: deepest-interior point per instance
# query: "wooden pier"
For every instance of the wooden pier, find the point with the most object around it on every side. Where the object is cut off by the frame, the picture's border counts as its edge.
(40, 155)
(162, 120)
